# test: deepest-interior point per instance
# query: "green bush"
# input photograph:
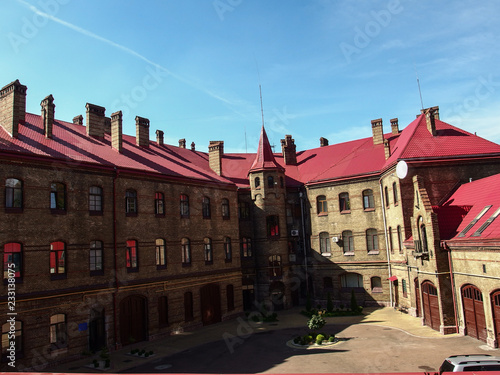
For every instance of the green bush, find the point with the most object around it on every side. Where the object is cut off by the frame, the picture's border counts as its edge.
(316, 322)
(319, 339)
(331, 338)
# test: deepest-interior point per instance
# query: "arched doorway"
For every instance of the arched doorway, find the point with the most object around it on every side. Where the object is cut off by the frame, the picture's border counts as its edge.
(430, 304)
(210, 304)
(475, 322)
(97, 331)
(495, 305)
(133, 319)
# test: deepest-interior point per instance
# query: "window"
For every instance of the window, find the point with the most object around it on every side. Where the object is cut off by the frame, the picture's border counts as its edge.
(324, 243)
(400, 239)
(386, 192)
(161, 253)
(322, 205)
(163, 311)
(159, 204)
(184, 201)
(257, 182)
(230, 297)
(95, 200)
(270, 181)
(13, 194)
(344, 204)
(186, 252)
(132, 256)
(205, 208)
(275, 267)
(225, 209)
(246, 247)
(12, 256)
(395, 194)
(368, 200)
(376, 284)
(273, 226)
(351, 280)
(57, 197)
(207, 244)
(243, 210)
(372, 241)
(405, 289)
(228, 253)
(14, 334)
(57, 258)
(188, 306)
(58, 332)
(95, 254)
(423, 235)
(474, 221)
(391, 247)
(486, 224)
(131, 202)
(348, 242)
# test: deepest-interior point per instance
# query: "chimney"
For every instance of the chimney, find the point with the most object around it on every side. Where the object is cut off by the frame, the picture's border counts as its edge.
(215, 152)
(323, 142)
(193, 146)
(116, 131)
(159, 137)
(48, 108)
(378, 132)
(107, 125)
(78, 120)
(182, 143)
(141, 131)
(13, 107)
(395, 126)
(288, 150)
(387, 149)
(95, 120)
(431, 115)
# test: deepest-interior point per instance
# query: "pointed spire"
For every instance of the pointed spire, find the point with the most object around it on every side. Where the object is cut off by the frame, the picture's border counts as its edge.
(264, 160)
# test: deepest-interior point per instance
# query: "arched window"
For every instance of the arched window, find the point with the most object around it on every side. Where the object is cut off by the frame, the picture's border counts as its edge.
(205, 208)
(423, 235)
(207, 246)
(391, 247)
(225, 209)
(275, 271)
(270, 181)
(228, 252)
(57, 196)
(58, 332)
(351, 280)
(95, 255)
(161, 253)
(372, 240)
(243, 210)
(186, 251)
(188, 307)
(246, 247)
(272, 223)
(184, 205)
(324, 243)
(400, 239)
(163, 311)
(159, 204)
(386, 193)
(344, 203)
(395, 194)
(13, 193)
(57, 258)
(230, 297)
(348, 242)
(132, 256)
(376, 284)
(322, 205)
(131, 202)
(12, 254)
(12, 332)
(257, 182)
(368, 200)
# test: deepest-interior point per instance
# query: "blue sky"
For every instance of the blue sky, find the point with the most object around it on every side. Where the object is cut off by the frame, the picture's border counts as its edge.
(193, 67)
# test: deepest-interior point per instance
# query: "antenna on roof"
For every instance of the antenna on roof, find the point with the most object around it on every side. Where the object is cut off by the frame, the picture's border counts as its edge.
(418, 83)
(261, 106)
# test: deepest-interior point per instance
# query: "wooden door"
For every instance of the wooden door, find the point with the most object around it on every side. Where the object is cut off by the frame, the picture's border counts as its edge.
(495, 303)
(97, 331)
(210, 304)
(133, 320)
(431, 305)
(475, 321)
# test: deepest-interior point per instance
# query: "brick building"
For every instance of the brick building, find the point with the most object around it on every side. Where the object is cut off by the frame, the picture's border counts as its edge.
(115, 239)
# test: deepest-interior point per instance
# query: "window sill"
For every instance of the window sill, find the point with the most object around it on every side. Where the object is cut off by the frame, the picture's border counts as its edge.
(326, 254)
(369, 209)
(159, 215)
(56, 276)
(374, 252)
(131, 214)
(161, 267)
(377, 290)
(323, 214)
(345, 212)
(97, 273)
(186, 265)
(95, 213)
(133, 270)
(349, 253)
(56, 211)
(184, 216)
(13, 210)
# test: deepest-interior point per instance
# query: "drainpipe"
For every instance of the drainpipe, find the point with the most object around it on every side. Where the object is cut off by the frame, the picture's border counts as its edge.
(115, 253)
(452, 279)
(386, 241)
(301, 195)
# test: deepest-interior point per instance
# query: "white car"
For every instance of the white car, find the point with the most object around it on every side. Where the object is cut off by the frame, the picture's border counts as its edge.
(474, 362)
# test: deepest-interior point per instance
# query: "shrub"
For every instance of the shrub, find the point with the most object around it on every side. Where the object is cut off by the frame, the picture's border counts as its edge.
(297, 340)
(331, 338)
(319, 339)
(316, 322)
(329, 303)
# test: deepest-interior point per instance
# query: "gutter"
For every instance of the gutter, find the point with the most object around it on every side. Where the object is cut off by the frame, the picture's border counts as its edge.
(386, 241)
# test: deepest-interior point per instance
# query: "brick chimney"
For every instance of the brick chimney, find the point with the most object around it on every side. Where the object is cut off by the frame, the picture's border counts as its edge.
(193, 146)
(378, 132)
(215, 152)
(288, 150)
(141, 131)
(182, 143)
(13, 107)
(116, 131)
(78, 120)
(323, 142)
(395, 126)
(159, 137)
(48, 108)
(95, 120)
(387, 149)
(431, 115)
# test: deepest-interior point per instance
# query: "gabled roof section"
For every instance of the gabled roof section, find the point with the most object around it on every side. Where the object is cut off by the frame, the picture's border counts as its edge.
(264, 160)
(416, 142)
(469, 214)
